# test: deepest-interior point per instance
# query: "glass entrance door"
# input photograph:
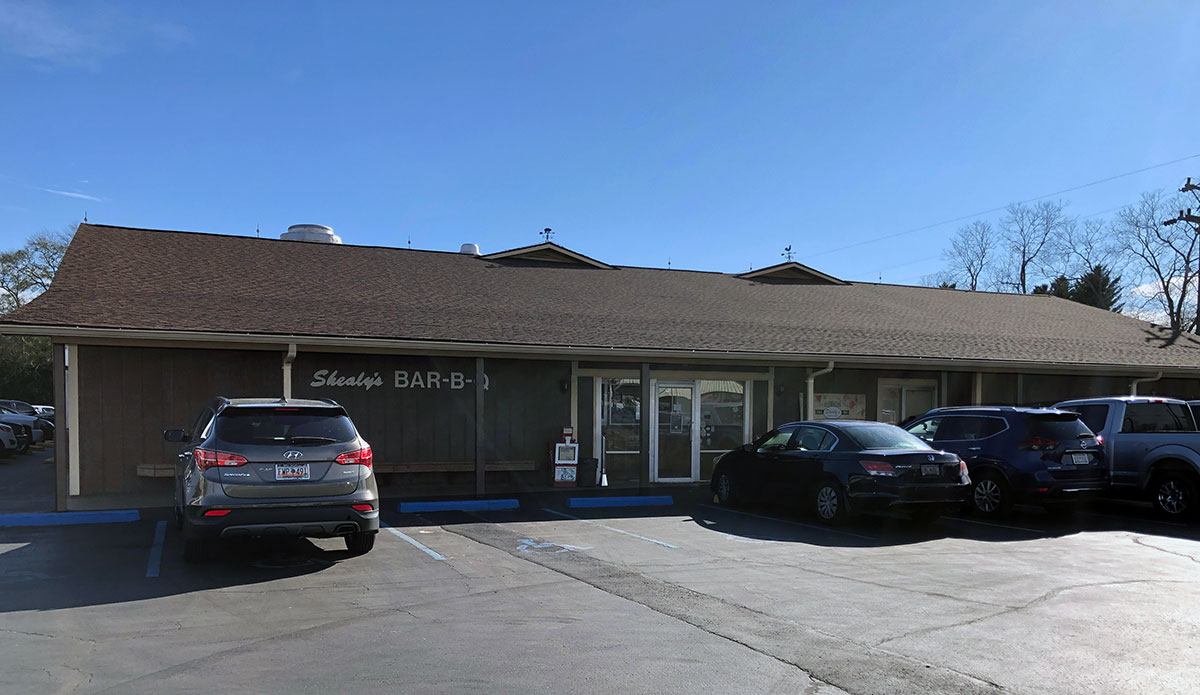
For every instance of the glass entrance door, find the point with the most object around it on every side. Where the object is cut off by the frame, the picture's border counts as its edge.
(900, 400)
(676, 448)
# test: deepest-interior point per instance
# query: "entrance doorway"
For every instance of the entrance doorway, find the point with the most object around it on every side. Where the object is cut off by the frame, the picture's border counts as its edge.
(901, 399)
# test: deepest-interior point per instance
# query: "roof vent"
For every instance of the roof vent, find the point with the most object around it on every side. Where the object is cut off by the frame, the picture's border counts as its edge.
(470, 249)
(311, 232)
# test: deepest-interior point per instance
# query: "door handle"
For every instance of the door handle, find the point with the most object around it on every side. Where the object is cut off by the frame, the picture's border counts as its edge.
(182, 457)
(974, 448)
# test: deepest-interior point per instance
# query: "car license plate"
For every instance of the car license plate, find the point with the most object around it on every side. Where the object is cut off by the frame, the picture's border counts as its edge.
(930, 469)
(1081, 459)
(287, 471)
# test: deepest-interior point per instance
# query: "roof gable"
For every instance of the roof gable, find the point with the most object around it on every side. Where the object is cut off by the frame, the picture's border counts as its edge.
(793, 272)
(548, 252)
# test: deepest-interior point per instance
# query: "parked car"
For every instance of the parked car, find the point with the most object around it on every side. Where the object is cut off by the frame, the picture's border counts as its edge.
(20, 407)
(46, 412)
(1034, 455)
(27, 429)
(836, 468)
(1151, 448)
(42, 429)
(8, 440)
(262, 467)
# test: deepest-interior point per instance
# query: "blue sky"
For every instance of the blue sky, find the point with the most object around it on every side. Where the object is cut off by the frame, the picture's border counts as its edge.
(712, 134)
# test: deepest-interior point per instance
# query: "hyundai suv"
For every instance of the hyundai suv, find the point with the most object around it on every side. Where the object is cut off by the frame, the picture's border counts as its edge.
(1014, 454)
(259, 467)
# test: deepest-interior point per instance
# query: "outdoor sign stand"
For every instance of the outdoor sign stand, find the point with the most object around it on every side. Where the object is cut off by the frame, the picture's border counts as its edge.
(566, 460)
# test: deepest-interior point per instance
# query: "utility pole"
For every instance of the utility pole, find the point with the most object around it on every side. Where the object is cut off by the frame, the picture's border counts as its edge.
(1186, 217)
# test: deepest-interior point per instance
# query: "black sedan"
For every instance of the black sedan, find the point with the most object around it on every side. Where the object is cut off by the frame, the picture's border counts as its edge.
(842, 467)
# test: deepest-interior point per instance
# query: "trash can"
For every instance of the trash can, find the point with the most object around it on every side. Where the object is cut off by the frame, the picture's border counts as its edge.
(587, 472)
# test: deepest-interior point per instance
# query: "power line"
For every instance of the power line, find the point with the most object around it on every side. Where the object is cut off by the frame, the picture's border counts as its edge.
(999, 208)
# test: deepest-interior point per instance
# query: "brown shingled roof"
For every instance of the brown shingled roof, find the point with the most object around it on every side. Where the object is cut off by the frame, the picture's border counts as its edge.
(114, 277)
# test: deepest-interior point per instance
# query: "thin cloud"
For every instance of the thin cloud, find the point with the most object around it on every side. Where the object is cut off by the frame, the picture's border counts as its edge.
(72, 194)
(81, 38)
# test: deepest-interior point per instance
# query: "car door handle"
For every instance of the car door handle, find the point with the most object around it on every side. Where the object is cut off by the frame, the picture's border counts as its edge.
(182, 457)
(974, 448)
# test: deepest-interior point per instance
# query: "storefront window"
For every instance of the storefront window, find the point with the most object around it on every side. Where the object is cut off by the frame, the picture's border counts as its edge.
(722, 420)
(621, 428)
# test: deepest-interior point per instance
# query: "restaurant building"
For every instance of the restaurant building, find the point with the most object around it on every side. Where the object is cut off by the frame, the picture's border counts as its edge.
(463, 369)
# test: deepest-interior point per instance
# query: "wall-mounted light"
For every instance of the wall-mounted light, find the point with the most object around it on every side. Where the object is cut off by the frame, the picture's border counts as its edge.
(565, 385)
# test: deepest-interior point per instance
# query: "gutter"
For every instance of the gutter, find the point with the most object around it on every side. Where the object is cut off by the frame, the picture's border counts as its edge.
(120, 336)
(287, 371)
(812, 407)
(1133, 383)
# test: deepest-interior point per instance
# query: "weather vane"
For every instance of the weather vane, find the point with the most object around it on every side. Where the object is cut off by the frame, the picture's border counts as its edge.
(787, 253)
(546, 234)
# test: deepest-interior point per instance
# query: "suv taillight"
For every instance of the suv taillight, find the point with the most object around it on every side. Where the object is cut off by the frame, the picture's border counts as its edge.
(1038, 444)
(361, 457)
(207, 458)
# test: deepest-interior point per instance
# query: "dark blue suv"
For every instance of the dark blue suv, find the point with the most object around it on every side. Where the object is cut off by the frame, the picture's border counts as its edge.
(1013, 454)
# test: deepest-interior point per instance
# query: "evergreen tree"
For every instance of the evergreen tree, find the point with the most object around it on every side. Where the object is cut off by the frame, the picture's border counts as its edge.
(1060, 287)
(1098, 288)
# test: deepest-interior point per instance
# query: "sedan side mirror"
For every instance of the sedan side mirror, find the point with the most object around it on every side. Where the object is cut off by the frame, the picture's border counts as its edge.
(175, 435)
(747, 448)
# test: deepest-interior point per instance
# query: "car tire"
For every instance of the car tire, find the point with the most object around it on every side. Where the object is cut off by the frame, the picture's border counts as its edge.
(360, 543)
(829, 502)
(22, 448)
(726, 487)
(1174, 494)
(991, 495)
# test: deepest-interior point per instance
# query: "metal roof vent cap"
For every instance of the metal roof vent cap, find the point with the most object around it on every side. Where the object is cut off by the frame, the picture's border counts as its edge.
(311, 232)
(470, 249)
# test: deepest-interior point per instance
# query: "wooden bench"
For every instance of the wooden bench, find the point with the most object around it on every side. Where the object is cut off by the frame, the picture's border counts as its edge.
(156, 470)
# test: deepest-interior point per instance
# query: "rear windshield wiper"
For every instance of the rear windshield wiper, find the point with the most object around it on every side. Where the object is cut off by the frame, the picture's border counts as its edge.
(312, 440)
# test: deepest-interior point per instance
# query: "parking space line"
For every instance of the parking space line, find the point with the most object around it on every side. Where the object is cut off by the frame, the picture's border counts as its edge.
(988, 523)
(152, 565)
(1132, 518)
(431, 553)
(789, 521)
(610, 528)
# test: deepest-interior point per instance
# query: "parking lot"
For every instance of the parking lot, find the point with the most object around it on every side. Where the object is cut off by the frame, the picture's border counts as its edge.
(672, 599)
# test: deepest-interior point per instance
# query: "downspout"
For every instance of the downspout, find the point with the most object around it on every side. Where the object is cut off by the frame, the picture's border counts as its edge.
(1133, 384)
(287, 371)
(812, 408)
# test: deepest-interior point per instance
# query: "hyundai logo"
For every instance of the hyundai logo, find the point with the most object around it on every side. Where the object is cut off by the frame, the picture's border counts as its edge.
(294, 454)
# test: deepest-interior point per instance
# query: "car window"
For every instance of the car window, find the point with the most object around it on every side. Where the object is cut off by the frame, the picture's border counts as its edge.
(811, 439)
(1058, 428)
(968, 427)
(776, 440)
(284, 426)
(1093, 415)
(201, 424)
(926, 430)
(883, 436)
(1157, 417)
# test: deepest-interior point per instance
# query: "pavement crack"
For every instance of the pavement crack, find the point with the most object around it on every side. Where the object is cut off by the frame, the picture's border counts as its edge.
(1142, 542)
(1047, 596)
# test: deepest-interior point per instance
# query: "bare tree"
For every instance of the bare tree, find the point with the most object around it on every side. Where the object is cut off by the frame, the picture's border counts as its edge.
(28, 271)
(1166, 259)
(1028, 235)
(971, 252)
(1087, 245)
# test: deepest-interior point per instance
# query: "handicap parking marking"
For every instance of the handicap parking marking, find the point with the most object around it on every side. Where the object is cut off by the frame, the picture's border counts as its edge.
(156, 549)
(794, 523)
(528, 545)
(610, 528)
(417, 544)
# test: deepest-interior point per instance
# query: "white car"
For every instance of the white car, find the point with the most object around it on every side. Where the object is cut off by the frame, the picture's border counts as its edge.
(46, 411)
(7, 439)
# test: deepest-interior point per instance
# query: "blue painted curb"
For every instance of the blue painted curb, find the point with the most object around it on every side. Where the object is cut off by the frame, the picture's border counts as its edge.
(460, 506)
(69, 518)
(644, 501)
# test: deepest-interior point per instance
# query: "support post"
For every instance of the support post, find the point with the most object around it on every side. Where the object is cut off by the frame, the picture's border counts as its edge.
(649, 405)
(480, 441)
(61, 447)
(977, 391)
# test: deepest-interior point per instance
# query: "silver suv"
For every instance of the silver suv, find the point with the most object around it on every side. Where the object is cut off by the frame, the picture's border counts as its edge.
(260, 467)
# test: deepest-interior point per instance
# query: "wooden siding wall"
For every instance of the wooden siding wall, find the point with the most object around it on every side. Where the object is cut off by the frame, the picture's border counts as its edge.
(128, 396)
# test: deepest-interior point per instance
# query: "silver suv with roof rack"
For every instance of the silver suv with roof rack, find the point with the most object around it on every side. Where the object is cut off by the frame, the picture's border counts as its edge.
(274, 467)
